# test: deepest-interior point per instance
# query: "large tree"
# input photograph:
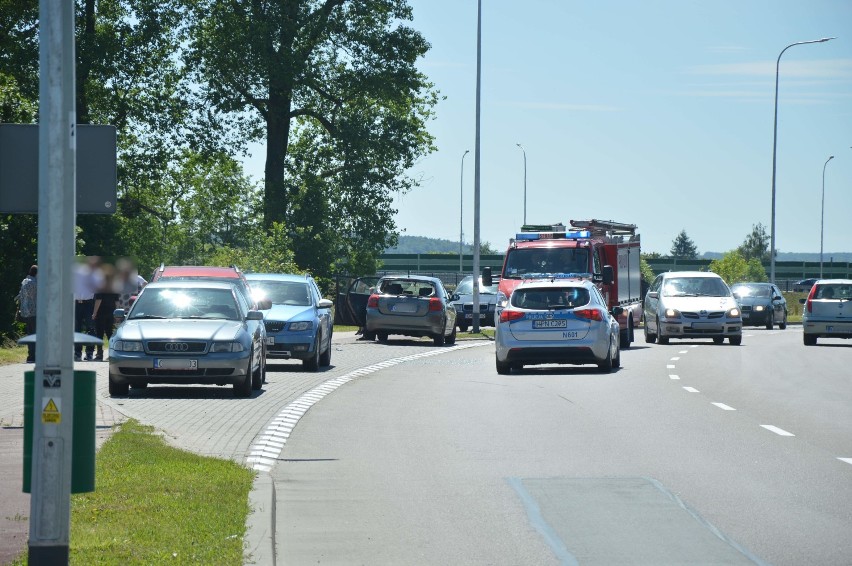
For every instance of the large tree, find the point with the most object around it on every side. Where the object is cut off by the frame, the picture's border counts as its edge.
(683, 247)
(756, 244)
(332, 88)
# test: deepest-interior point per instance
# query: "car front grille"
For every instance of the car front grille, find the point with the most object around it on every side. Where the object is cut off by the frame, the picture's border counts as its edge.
(696, 316)
(274, 326)
(483, 307)
(175, 347)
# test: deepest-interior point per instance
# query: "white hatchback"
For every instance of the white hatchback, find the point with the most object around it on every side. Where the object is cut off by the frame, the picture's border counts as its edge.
(828, 310)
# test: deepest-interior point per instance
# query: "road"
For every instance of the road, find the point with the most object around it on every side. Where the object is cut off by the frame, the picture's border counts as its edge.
(406, 453)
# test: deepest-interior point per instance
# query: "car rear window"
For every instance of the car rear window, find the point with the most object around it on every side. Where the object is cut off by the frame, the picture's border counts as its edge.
(407, 287)
(833, 291)
(550, 298)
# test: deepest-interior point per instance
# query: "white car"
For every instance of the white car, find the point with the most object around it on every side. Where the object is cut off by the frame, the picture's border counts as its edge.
(691, 304)
(557, 321)
(828, 310)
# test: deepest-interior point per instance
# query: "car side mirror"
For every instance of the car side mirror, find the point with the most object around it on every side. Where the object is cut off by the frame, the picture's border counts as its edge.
(608, 275)
(617, 311)
(803, 301)
(118, 315)
(654, 294)
(254, 315)
(454, 297)
(487, 278)
(324, 304)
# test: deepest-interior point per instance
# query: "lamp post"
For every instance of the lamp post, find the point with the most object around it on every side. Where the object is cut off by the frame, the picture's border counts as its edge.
(525, 181)
(774, 146)
(822, 215)
(476, 160)
(461, 212)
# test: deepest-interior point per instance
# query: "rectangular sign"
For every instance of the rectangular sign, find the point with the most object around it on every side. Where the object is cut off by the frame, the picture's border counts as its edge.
(96, 169)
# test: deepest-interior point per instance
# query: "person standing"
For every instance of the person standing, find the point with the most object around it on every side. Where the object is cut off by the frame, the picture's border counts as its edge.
(87, 280)
(106, 301)
(27, 305)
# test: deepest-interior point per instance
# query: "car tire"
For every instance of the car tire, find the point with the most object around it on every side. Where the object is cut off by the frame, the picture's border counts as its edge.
(503, 368)
(770, 321)
(325, 357)
(439, 339)
(649, 338)
(718, 340)
(809, 339)
(312, 363)
(626, 335)
(607, 365)
(117, 389)
(451, 339)
(257, 376)
(382, 336)
(369, 335)
(783, 324)
(663, 340)
(735, 340)
(463, 327)
(243, 388)
(616, 362)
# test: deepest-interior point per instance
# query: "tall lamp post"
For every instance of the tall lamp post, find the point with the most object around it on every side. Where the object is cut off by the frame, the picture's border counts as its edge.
(774, 146)
(461, 212)
(822, 215)
(525, 181)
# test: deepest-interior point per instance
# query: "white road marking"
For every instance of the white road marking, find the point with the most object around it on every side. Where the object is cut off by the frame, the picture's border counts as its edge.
(674, 359)
(674, 376)
(724, 407)
(847, 460)
(776, 430)
(670, 366)
(263, 454)
(683, 352)
(691, 389)
(695, 345)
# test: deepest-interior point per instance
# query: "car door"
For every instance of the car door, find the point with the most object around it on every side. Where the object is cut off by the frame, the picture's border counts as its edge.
(652, 304)
(352, 305)
(323, 316)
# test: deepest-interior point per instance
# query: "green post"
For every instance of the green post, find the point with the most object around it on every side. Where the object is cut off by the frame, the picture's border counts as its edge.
(83, 431)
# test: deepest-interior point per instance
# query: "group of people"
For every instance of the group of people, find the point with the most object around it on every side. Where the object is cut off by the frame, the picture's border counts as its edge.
(99, 289)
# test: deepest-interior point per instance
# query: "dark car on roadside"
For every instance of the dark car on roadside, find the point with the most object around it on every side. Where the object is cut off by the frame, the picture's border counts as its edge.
(411, 305)
(761, 304)
(804, 285)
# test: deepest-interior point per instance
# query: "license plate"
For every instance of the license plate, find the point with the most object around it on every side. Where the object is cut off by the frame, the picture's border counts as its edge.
(839, 330)
(270, 340)
(403, 307)
(175, 363)
(550, 324)
(469, 316)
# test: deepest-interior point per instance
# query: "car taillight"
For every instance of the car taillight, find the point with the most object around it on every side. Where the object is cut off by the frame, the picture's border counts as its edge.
(435, 304)
(588, 314)
(811, 298)
(508, 315)
(373, 301)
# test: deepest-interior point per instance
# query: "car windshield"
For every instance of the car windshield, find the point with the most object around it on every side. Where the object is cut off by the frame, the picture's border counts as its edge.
(281, 292)
(185, 303)
(695, 287)
(466, 287)
(550, 298)
(524, 261)
(745, 290)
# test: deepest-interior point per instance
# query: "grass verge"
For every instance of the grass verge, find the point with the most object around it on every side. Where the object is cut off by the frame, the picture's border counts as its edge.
(154, 504)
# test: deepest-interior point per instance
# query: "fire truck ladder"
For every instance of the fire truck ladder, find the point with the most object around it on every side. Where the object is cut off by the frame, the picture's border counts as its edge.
(605, 227)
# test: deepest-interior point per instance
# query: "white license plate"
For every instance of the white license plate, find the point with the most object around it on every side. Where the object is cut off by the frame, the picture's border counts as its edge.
(550, 324)
(469, 316)
(403, 307)
(175, 363)
(270, 340)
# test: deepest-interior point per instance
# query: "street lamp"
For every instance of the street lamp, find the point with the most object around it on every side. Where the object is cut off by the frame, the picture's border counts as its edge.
(461, 211)
(774, 145)
(525, 181)
(822, 215)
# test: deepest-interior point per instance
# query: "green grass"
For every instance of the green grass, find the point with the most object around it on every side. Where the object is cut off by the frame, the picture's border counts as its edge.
(156, 504)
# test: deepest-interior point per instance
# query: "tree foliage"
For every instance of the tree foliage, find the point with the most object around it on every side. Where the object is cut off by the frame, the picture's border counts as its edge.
(733, 267)
(756, 244)
(683, 247)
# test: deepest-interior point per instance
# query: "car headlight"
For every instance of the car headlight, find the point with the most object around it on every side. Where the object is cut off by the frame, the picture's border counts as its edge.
(734, 313)
(502, 299)
(226, 347)
(759, 308)
(127, 346)
(672, 313)
(299, 326)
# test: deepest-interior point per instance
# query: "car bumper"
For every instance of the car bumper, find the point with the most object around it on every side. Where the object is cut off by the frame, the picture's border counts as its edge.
(218, 369)
(591, 350)
(828, 328)
(756, 318)
(290, 347)
(429, 325)
(679, 329)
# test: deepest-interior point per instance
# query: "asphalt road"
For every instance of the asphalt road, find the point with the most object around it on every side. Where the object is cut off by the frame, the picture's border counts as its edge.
(406, 453)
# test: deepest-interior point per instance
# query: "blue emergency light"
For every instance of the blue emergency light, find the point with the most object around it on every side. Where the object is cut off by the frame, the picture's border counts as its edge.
(576, 235)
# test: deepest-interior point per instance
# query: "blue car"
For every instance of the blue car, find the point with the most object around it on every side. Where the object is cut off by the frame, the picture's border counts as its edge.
(299, 322)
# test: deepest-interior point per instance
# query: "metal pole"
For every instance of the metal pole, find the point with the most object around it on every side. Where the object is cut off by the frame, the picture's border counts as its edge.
(475, 328)
(774, 147)
(525, 181)
(822, 215)
(53, 394)
(461, 211)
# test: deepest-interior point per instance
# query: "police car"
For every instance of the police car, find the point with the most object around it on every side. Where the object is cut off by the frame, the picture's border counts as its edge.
(559, 320)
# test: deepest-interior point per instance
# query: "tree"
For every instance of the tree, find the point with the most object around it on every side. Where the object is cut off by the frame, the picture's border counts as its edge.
(332, 88)
(683, 247)
(756, 244)
(734, 268)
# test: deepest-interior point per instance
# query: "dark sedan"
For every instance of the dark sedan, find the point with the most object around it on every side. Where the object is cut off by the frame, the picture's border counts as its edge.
(762, 304)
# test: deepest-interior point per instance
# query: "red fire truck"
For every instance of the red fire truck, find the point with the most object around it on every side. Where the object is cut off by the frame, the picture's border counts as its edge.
(603, 251)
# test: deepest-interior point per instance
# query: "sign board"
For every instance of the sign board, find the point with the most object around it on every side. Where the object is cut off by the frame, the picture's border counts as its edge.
(96, 169)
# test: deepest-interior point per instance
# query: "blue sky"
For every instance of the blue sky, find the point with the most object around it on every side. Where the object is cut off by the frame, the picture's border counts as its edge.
(658, 113)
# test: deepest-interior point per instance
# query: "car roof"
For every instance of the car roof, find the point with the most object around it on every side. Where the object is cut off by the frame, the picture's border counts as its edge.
(412, 278)
(559, 282)
(277, 277)
(670, 274)
(195, 284)
(198, 271)
(823, 281)
(756, 283)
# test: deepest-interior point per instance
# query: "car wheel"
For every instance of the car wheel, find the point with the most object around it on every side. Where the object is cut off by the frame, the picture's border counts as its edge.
(626, 335)
(116, 389)
(382, 336)
(243, 388)
(463, 327)
(325, 357)
(451, 339)
(503, 368)
(809, 340)
(439, 339)
(312, 363)
(770, 321)
(369, 335)
(257, 376)
(735, 340)
(718, 340)
(616, 361)
(660, 338)
(607, 365)
(649, 338)
(783, 324)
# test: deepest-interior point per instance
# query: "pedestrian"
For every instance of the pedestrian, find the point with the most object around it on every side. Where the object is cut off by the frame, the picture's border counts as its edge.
(88, 279)
(27, 307)
(106, 301)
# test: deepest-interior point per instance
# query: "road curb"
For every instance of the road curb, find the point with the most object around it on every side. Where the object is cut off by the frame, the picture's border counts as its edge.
(259, 541)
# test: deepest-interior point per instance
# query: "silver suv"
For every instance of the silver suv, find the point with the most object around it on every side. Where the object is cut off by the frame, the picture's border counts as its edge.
(691, 304)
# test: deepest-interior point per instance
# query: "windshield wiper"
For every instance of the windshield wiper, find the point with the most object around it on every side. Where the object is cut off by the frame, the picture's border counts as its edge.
(147, 316)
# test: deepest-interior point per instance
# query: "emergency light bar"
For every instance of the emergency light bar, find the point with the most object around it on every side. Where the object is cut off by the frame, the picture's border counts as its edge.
(554, 276)
(576, 235)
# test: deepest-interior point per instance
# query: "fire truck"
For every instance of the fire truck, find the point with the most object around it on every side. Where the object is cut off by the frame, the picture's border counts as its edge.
(602, 251)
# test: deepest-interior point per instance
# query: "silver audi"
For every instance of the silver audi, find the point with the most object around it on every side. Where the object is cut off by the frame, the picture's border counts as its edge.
(188, 332)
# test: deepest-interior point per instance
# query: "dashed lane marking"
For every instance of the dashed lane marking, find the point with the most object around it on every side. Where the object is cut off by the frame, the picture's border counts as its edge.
(776, 430)
(672, 376)
(264, 453)
(724, 407)
(691, 389)
(847, 460)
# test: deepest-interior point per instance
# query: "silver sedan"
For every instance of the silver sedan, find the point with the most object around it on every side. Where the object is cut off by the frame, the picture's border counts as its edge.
(411, 305)
(557, 321)
(188, 332)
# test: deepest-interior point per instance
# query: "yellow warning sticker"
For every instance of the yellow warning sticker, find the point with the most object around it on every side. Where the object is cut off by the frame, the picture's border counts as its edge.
(50, 414)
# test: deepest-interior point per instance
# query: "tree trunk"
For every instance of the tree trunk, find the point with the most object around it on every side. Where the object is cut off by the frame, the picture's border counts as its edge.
(275, 200)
